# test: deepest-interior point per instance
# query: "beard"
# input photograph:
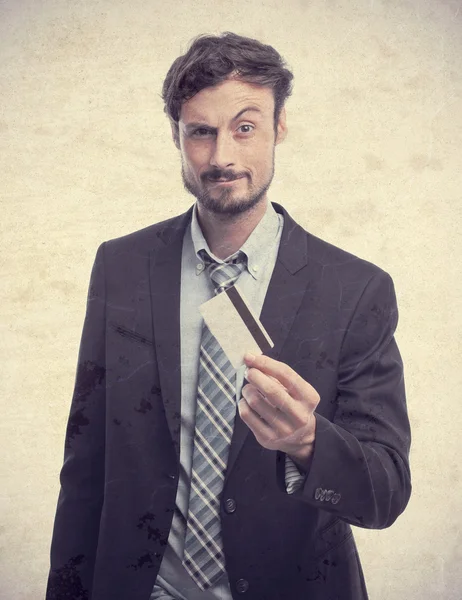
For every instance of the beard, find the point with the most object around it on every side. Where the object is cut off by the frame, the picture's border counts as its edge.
(227, 202)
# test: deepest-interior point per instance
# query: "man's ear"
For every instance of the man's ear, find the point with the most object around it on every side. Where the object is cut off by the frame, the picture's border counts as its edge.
(282, 126)
(175, 134)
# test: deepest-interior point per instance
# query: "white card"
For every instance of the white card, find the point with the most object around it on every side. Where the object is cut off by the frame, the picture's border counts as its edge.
(235, 326)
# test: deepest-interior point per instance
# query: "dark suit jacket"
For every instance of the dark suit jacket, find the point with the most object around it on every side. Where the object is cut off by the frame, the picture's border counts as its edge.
(332, 317)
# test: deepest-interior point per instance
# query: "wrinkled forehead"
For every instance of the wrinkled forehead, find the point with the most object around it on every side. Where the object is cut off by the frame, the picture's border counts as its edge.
(226, 101)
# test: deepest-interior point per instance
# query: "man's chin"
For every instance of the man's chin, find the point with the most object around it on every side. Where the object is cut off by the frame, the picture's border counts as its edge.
(228, 205)
(225, 202)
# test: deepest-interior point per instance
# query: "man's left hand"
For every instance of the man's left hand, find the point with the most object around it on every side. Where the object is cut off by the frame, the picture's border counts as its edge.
(278, 406)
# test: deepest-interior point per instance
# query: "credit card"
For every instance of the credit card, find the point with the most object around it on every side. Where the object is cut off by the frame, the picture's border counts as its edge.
(236, 327)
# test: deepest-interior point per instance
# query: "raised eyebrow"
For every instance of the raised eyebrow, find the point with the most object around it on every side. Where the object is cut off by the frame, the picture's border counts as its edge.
(248, 108)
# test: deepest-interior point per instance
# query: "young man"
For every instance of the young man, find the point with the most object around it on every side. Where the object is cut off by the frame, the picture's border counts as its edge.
(181, 479)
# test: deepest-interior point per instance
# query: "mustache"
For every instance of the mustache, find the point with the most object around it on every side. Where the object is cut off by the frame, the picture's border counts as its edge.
(225, 174)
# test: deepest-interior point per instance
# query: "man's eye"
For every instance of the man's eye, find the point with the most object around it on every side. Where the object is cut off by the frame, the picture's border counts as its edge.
(201, 132)
(246, 128)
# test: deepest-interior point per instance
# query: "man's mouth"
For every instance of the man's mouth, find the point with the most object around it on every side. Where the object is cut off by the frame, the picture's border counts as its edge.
(223, 180)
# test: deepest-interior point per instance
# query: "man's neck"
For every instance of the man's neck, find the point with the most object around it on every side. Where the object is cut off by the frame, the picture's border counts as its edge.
(226, 234)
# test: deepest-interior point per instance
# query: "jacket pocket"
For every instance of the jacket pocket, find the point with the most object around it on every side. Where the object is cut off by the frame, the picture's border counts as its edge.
(332, 536)
(131, 336)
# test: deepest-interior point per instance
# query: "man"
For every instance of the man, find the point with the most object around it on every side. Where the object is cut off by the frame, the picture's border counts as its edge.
(168, 490)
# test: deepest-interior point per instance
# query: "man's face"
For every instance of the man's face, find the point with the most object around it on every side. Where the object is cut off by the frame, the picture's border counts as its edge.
(227, 141)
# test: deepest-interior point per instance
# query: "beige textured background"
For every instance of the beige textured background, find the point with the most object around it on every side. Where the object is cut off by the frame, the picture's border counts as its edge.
(373, 163)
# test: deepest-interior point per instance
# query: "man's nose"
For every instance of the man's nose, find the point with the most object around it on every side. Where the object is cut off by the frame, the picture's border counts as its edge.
(223, 151)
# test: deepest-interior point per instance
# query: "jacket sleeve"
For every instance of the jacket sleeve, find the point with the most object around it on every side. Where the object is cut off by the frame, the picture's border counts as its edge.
(360, 466)
(76, 526)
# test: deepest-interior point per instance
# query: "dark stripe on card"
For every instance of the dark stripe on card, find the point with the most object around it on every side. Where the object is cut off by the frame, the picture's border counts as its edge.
(248, 319)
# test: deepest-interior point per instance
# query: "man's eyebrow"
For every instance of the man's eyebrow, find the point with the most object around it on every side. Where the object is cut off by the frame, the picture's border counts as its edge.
(198, 124)
(241, 112)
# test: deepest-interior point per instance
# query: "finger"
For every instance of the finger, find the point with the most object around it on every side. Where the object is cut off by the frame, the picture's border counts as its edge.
(270, 376)
(295, 411)
(269, 388)
(295, 385)
(259, 427)
(266, 410)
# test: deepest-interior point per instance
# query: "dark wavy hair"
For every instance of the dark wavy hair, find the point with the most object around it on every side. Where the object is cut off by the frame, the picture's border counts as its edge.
(211, 59)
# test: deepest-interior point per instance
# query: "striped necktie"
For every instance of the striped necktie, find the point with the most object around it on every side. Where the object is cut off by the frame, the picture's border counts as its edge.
(215, 412)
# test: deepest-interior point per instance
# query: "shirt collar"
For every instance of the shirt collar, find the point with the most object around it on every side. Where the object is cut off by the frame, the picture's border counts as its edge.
(255, 247)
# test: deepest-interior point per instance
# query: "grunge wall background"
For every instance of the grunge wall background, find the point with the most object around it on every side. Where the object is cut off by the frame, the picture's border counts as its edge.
(372, 163)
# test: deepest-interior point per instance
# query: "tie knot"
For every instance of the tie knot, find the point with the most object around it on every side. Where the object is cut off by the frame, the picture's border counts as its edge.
(224, 275)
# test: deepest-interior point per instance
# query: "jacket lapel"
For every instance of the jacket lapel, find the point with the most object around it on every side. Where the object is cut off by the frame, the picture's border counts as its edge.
(283, 298)
(165, 281)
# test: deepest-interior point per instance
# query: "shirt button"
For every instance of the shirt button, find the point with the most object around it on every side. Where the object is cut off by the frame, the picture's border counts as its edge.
(230, 505)
(199, 266)
(242, 585)
(255, 268)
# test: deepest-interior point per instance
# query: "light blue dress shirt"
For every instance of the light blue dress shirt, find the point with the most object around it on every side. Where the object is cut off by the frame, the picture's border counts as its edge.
(261, 248)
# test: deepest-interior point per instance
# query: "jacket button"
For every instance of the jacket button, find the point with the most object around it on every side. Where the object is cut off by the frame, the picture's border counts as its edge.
(242, 585)
(320, 494)
(329, 495)
(230, 506)
(336, 498)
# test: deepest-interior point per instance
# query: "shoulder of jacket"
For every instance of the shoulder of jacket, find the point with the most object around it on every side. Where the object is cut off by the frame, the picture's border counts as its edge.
(339, 261)
(143, 241)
